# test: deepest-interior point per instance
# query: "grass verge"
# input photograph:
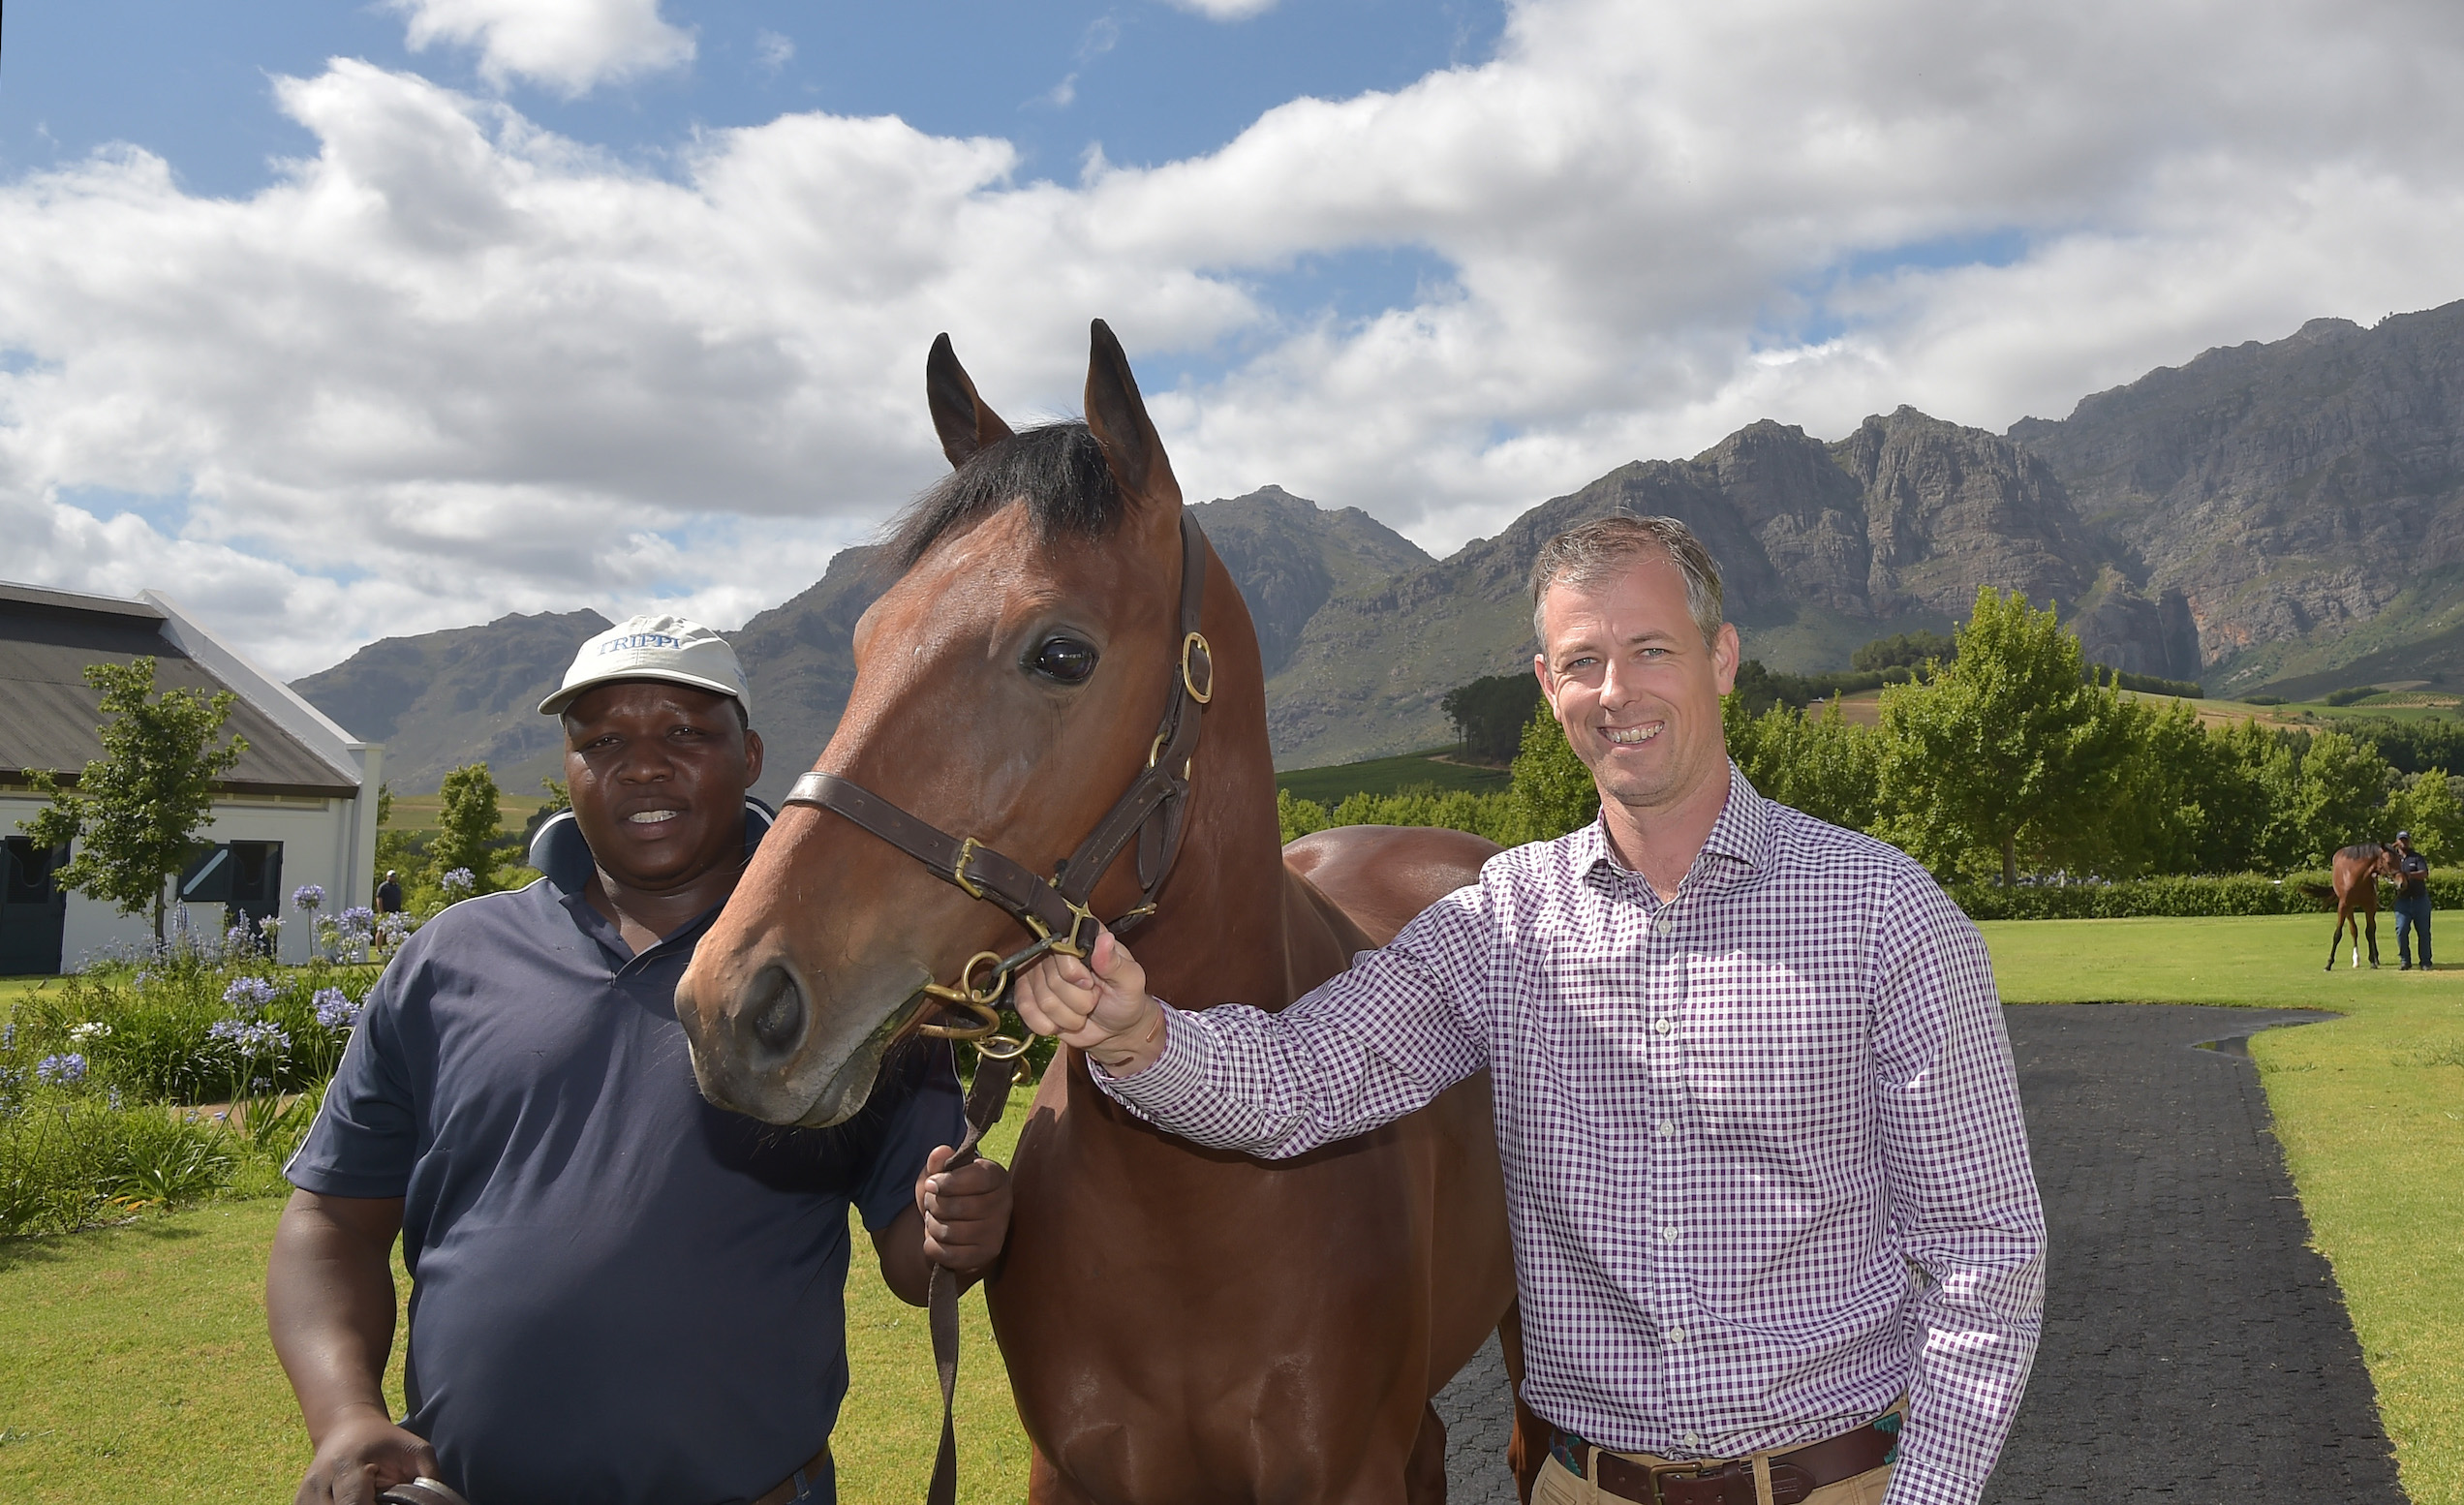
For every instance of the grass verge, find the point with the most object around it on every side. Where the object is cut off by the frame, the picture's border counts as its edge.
(2369, 1108)
(135, 1368)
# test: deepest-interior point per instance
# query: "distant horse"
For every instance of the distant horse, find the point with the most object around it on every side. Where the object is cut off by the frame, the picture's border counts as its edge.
(1267, 1332)
(2357, 870)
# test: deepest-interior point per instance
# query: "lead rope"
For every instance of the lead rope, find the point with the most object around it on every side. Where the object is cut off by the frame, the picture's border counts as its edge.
(985, 1099)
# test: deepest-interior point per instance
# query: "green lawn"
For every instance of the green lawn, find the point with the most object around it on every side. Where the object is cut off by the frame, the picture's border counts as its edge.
(13, 988)
(1389, 775)
(135, 1368)
(2370, 1109)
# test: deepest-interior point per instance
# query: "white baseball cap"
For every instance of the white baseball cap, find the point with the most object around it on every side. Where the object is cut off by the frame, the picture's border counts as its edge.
(669, 648)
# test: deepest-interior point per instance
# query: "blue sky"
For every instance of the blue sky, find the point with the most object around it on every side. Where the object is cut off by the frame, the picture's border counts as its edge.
(347, 321)
(1145, 82)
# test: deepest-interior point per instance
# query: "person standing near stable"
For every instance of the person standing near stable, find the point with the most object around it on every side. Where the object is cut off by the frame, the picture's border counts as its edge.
(2411, 902)
(619, 1292)
(1775, 1231)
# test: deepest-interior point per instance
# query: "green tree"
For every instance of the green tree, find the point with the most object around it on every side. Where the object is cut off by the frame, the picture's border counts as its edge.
(467, 834)
(1552, 791)
(2342, 796)
(1490, 714)
(2264, 773)
(2431, 806)
(1907, 650)
(2007, 748)
(136, 810)
(1821, 763)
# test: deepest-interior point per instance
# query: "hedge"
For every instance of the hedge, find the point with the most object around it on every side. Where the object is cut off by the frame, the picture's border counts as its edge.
(2244, 893)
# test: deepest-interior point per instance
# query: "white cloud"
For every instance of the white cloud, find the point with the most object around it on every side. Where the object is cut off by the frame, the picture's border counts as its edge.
(773, 52)
(569, 46)
(454, 365)
(1224, 10)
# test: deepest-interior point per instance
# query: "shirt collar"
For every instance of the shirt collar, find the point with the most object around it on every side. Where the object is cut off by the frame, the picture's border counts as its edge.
(1741, 838)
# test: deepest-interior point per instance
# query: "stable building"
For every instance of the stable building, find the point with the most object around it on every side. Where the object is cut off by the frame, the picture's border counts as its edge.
(299, 807)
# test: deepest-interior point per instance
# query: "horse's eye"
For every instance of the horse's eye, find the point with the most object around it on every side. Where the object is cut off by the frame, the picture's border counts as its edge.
(1065, 659)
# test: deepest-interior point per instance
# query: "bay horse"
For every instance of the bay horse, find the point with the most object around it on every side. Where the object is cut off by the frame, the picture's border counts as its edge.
(1265, 1332)
(2356, 886)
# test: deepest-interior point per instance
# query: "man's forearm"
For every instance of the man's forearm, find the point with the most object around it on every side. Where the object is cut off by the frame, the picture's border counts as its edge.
(329, 1304)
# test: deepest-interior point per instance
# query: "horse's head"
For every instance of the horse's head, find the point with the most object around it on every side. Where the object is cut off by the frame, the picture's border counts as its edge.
(1007, 689)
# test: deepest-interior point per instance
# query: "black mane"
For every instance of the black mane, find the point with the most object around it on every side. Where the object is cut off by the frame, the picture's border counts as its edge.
(2366, 851)
(1056, 469)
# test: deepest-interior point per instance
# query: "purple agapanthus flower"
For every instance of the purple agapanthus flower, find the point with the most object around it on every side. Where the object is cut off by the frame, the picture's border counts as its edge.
(248, 995)
(358, 920)
(459, 881)
(249, 1039)
(61, 1070)
(308, 897)
(334, 1009)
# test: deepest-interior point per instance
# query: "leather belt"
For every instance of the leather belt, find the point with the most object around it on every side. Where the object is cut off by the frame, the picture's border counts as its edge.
(1793, 1474)
(798, 1485)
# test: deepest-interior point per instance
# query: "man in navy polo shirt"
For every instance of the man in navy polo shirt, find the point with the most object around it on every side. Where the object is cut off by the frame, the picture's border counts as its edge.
(619, 1292)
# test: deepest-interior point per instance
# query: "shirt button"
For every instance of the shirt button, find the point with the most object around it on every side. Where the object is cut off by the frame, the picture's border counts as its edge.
(1665, 923)
(1668, 1128)
(1678, 1336)
(1669, 1236)
(1692, 1439)
(1662, 1026)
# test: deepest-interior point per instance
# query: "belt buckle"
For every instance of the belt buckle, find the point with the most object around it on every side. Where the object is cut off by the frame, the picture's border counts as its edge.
(1694, 1470)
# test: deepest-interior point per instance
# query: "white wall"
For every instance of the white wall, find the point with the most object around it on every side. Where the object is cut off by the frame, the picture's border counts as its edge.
(332, 843)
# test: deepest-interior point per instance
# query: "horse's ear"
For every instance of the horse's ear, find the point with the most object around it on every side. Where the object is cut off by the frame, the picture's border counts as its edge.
(1117, 415)
(960, 418)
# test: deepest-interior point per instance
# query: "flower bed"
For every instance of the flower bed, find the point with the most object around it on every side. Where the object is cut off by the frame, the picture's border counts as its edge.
(105, 1079)
(186, 1026)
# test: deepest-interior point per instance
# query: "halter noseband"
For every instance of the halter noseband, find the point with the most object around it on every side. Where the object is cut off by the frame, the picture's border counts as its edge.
(1153, 810)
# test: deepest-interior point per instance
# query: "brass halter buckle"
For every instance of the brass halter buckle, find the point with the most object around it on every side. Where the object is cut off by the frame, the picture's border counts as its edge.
(1188, 681)
(966, 851)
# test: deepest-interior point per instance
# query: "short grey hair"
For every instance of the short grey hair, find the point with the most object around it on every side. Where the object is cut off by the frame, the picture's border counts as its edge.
(1593, 553)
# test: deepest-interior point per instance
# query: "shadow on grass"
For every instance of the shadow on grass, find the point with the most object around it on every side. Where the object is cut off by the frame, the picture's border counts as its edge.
(51, 1248)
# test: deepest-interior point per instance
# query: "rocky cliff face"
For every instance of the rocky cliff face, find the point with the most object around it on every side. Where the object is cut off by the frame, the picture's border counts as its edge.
(1292, 556)
(2303, 500)
(1821, 547)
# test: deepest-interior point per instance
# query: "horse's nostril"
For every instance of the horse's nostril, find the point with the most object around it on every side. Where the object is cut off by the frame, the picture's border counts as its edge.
(777, 1019)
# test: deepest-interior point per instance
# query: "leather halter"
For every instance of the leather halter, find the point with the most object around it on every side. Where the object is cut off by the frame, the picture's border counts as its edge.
(1153, 810)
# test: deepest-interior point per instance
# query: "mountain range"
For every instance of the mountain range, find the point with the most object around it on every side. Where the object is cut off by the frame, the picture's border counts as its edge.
(2284, 517)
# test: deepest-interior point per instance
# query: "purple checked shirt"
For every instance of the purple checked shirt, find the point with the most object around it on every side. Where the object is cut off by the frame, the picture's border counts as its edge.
(1762, 1142)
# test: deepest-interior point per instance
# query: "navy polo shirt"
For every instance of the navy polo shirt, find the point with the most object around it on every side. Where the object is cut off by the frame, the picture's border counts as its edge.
(619, 1292)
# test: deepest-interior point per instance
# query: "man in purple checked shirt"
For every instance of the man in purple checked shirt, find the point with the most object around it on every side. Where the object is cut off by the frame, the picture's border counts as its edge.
(1774, 1227)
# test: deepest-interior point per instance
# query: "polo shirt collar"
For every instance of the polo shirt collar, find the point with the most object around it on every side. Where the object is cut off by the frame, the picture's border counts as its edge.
(564, 858)
(566, 865)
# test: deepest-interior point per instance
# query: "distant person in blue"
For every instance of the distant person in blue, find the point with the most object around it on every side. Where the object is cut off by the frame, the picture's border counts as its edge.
(619, 1292)
(2412, 902)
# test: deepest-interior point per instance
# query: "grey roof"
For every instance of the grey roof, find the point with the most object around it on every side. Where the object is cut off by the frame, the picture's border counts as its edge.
(50, 715)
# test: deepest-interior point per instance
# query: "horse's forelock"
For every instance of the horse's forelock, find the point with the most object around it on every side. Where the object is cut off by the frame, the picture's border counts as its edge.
(1056, 469)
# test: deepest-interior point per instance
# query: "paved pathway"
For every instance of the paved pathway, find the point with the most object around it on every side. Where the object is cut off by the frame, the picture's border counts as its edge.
(2195, 1350)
